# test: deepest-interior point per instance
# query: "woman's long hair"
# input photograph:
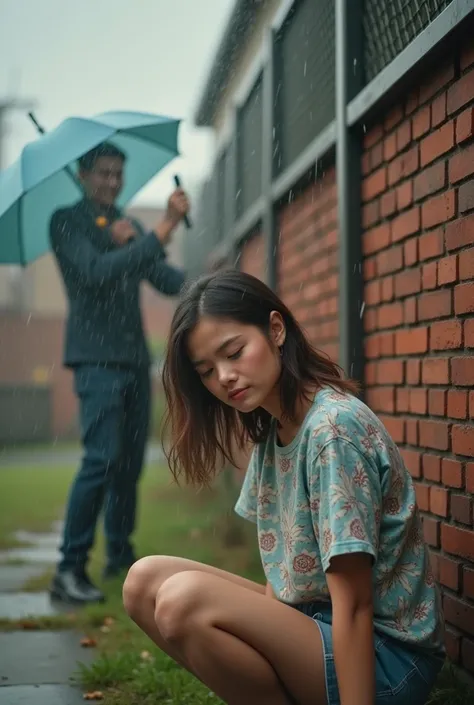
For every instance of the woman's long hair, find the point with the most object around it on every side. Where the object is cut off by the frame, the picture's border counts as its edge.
(202, 432)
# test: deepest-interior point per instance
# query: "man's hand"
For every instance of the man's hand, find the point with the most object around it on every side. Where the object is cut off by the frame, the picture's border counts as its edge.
(177, 208)
(122, 231)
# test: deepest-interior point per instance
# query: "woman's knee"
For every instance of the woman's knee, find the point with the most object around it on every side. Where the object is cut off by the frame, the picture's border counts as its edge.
(178, 606)
(142, 582)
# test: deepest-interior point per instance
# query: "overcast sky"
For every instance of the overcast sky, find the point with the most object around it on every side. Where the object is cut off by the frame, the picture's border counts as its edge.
(83, 58)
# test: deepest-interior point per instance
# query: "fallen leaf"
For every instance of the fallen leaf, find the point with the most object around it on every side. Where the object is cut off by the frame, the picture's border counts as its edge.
(88, 643)
(28, 624)
(108, 621)
(146, 656)
(105, 630)
(94, 695)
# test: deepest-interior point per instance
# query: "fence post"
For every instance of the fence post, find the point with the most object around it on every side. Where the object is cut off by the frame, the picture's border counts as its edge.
(269, 225)
(349, 81)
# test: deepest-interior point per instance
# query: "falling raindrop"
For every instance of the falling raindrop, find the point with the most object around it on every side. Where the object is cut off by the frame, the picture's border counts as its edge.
(364, 128)
(28, 320)
(305, 67)
(362, 308)
(354, 65)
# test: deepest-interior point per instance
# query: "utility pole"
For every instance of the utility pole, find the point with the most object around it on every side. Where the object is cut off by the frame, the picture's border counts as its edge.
(6, 106)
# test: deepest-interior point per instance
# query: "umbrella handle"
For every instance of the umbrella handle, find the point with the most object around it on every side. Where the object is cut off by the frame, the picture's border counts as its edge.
(35, 122)
(177, 181)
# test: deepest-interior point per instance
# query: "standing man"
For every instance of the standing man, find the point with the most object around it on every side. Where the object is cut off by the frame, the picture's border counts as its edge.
(103, 257)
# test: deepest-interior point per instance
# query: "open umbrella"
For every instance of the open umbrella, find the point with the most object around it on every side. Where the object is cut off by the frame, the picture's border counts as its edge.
(43, 178)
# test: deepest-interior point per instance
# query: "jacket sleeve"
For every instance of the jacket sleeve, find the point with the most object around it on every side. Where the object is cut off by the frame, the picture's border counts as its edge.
(165, 278)
(75, 253)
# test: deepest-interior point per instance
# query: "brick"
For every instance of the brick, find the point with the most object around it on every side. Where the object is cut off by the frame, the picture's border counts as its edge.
(437, 143)
(376, 156)
(459, 613)
(403, 166)
(434, 304)
(388, 204)
(447, 270)
(370, 320)
(374, 184)
(467, 654)
(462, 371)
(449, 572)
(372, 292)
(434, 434)
(457, 404)
(389, 261)
(390, 147)
(460, 233)
(431, 531)
(376, 239)
(365, 163)
(429, 275)
(469, 333)
(446, 335)
(395, 427)
(418, 401)
(421, 122)
(387, 289)
(370, 214)
(387, 344)
(431, 244)
(404, 195)
(438, 110)
(465, 126)
(439, 501)
(381, 399)
(461, 509)
(393, 118)
(413, 371)
(466, 264)
(411, 432)
(410, 252)
(438, 209)
(461, 164)
(409, 310)
(451, 472)
(402, 400)
(408, 282)
(373, 136)
(422, 496)
(430, 180)
(406, 224)
(435, 370)
(468, 582)
(466, 197)
(470, 477)
(436, 81)
(461, 93)
(437, 402)
(390, 315)
(411, 458)
(390, 372)
(471, 404)
(463, 440)
(464, 298)
(452, 642)
(411, 103)
(457, 541)
(411, 341)
(403, 135)
(431, 465)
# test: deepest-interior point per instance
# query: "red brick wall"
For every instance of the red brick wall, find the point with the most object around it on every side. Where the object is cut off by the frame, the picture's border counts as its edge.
(418, 243)
(253, 256)
(308, 261)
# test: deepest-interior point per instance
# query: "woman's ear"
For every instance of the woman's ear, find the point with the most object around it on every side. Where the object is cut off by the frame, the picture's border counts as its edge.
(277, 329)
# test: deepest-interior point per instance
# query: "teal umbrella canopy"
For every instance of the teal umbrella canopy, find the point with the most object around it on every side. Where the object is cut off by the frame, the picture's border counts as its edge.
(42, 179)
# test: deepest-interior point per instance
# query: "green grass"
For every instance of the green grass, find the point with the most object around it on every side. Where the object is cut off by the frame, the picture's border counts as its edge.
(128, 669)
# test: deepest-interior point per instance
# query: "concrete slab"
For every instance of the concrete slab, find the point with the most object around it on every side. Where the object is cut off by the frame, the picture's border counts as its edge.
(37, 658)
(40, 695)
(13, 577)
(19, 605)
(30, 554)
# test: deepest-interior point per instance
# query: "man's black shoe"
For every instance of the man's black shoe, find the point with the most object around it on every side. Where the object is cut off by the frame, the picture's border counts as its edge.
(75, 588)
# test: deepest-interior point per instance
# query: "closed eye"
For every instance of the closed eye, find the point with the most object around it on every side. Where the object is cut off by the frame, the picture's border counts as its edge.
(236, 355)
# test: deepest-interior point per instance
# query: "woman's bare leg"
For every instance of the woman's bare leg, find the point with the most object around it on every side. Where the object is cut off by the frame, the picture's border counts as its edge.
(244, 646)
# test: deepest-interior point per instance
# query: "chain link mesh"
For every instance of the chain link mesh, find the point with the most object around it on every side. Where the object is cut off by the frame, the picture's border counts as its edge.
(390, 25)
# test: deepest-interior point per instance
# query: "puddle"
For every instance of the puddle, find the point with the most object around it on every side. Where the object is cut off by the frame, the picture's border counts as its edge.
(13, 577)
(19, 605)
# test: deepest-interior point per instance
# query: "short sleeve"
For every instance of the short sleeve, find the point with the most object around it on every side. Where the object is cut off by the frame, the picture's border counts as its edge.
(247, 504)
(346, 501)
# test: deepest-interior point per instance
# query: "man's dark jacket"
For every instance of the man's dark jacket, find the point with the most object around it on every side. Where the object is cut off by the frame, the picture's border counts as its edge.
(102, 282)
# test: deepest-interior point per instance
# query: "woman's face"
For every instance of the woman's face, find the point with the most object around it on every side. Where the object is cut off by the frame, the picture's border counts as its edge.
(237, 363)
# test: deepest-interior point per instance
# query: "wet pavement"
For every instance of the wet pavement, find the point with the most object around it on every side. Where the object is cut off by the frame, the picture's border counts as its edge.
(36, 667)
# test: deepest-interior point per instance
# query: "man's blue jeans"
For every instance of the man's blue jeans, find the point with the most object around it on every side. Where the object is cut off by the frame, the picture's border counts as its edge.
(114, 413)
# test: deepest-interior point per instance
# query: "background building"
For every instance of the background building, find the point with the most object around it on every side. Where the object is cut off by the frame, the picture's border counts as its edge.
(345, 178)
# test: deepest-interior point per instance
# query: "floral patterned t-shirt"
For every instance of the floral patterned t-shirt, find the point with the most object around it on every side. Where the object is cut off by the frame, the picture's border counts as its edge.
(341, 487)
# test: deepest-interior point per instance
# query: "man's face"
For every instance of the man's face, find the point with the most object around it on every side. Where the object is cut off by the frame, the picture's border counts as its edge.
(105, 180)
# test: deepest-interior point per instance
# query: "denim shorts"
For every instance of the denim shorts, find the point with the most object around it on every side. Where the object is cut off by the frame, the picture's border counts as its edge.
(404, 676)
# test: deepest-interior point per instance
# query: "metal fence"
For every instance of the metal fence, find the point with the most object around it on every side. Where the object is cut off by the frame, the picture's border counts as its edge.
(324, 71)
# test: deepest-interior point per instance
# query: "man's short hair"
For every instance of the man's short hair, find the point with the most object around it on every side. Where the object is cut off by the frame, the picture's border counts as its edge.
(105, 149)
